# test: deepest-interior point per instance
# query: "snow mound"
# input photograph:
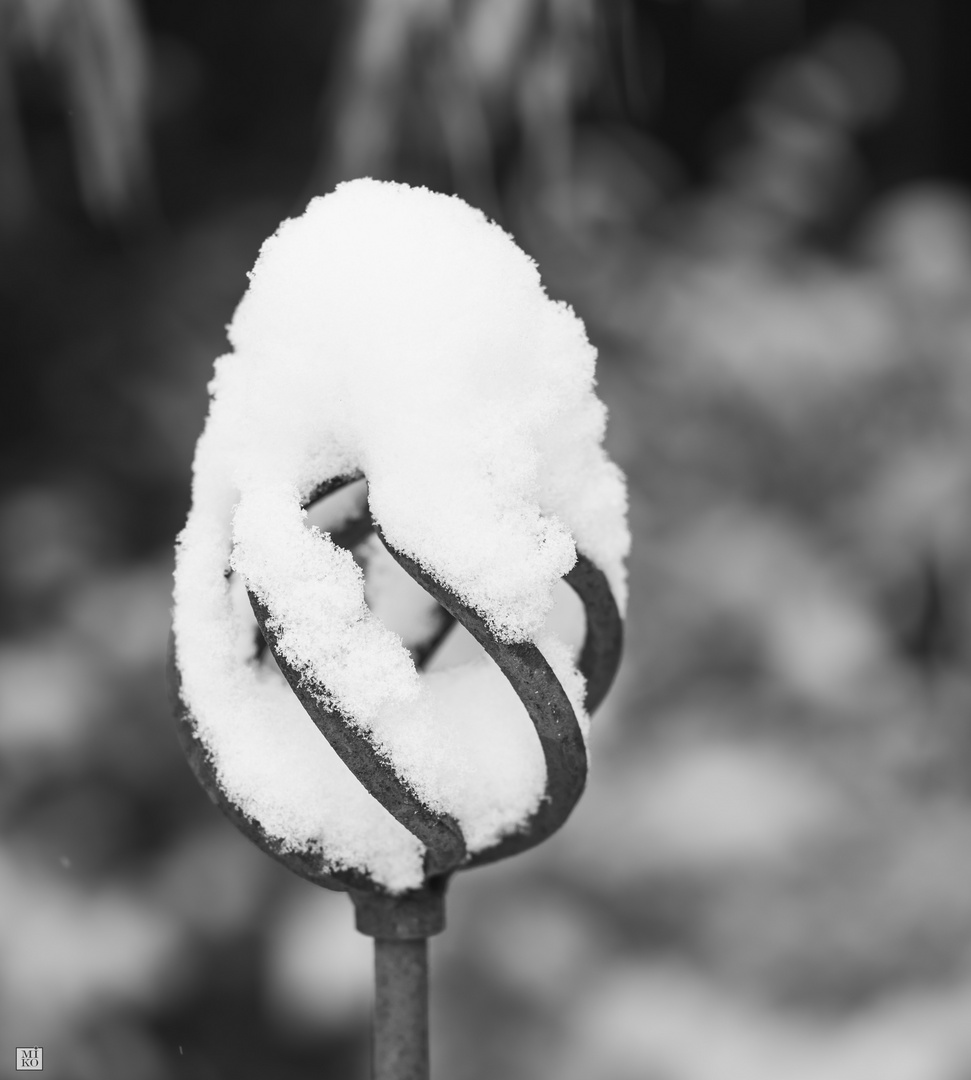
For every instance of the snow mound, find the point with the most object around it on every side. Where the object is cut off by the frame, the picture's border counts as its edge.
(396, 333)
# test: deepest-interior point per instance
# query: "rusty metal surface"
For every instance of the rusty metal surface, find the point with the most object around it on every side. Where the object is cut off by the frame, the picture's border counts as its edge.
(308, 863)
(421, 912)
(548, 707)
(443, 840)
(603, 642)
(400, 1036)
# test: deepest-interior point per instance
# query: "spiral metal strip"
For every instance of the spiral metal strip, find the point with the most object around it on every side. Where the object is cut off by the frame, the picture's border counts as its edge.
(530, 676)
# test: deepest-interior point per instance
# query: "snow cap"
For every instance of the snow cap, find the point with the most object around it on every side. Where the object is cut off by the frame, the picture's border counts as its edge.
(394, 332)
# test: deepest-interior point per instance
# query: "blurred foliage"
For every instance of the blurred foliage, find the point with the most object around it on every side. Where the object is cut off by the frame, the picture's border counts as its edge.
(95, 55)
(444, 91)
(766, 876)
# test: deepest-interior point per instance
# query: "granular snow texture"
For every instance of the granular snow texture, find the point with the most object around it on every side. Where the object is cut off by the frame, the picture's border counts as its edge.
(397, 333)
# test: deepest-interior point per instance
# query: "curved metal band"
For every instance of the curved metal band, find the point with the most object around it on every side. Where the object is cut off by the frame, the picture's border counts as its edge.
(443, 840)
(542, 694)
(308, 864)
(603, 641)
(523, 665)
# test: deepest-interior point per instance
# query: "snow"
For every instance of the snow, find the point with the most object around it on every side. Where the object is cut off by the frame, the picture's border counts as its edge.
(396, 333)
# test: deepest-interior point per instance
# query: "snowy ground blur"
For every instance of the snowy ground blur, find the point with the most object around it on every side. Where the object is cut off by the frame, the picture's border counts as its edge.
(767, 876)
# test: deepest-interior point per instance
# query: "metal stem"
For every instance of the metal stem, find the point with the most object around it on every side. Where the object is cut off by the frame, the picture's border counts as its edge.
(400, 1041)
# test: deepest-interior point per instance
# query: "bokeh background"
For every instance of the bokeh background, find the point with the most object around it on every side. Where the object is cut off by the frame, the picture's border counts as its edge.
(760, 209)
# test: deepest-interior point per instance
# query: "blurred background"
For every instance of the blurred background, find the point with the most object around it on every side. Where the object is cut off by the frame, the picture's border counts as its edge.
(761, 210)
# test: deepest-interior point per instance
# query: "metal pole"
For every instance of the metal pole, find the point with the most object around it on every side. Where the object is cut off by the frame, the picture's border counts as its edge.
(400, 1040)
